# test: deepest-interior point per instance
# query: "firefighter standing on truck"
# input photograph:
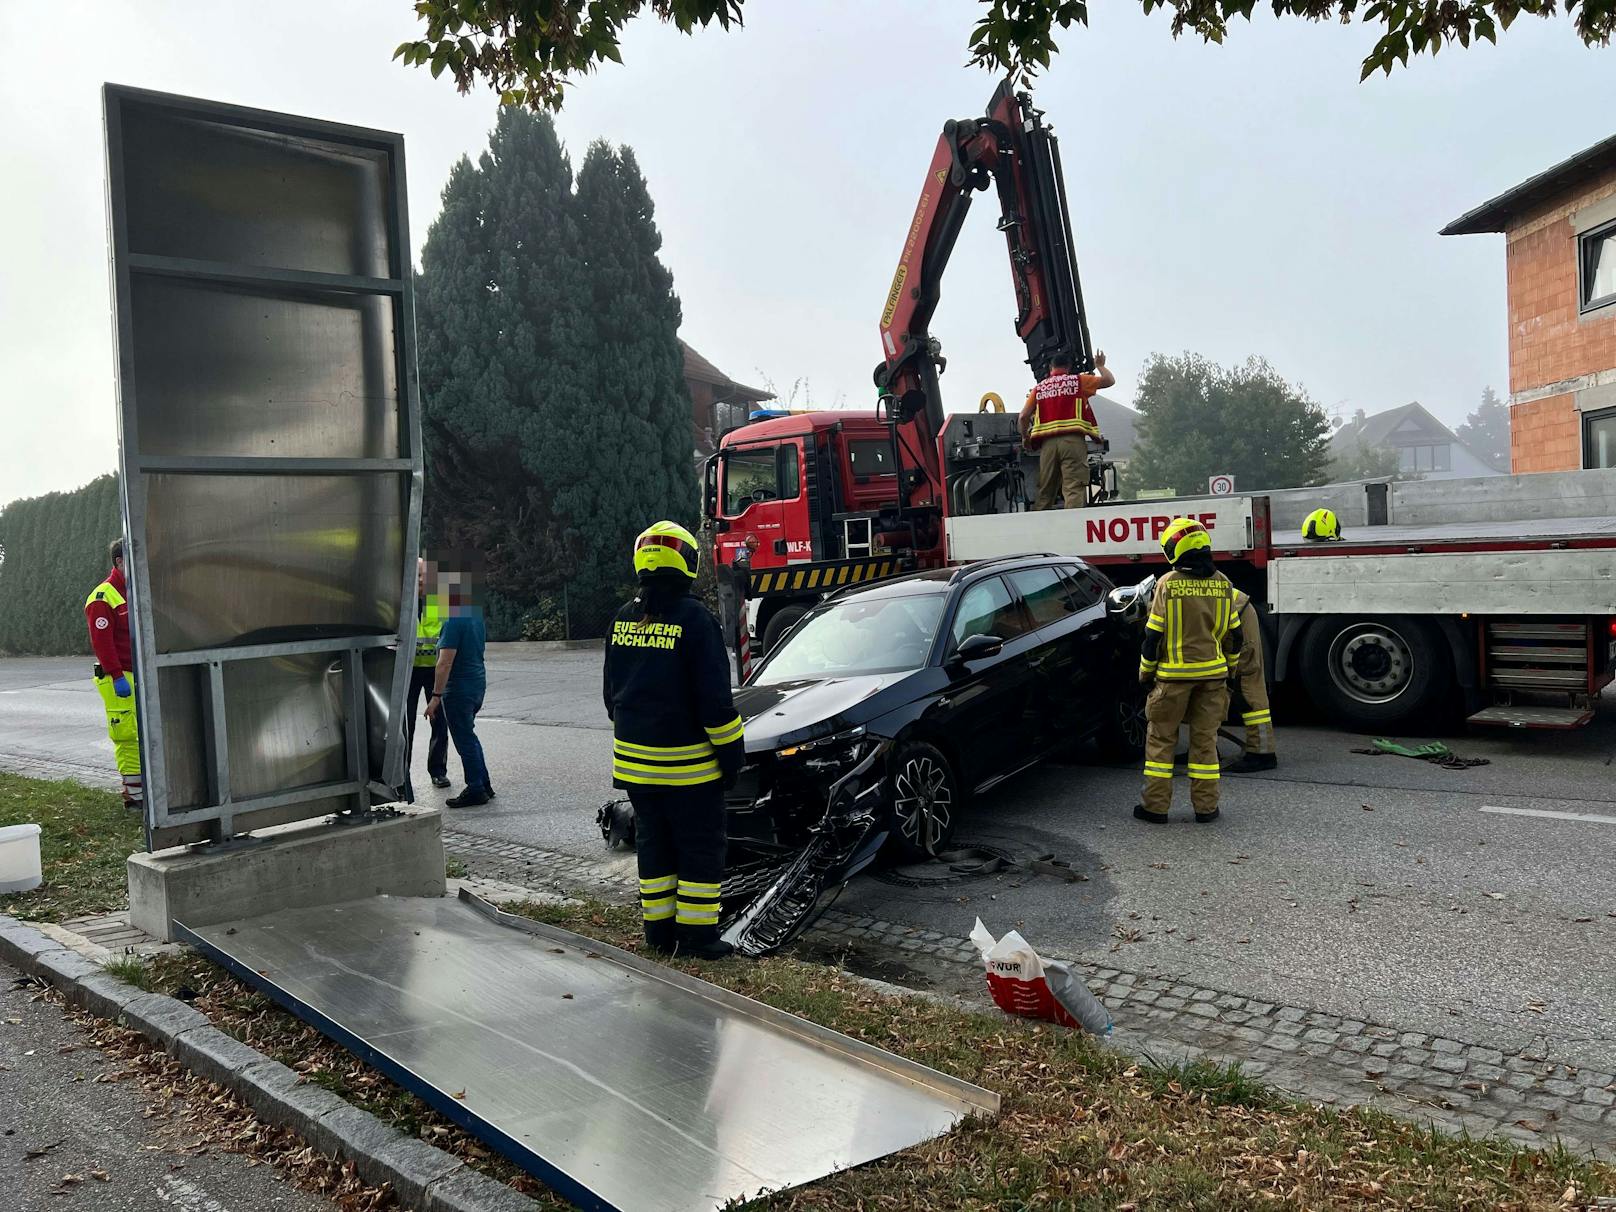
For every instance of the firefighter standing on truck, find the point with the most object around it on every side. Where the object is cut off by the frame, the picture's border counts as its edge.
(106, 612)
(677, 742)
(1193, 631)
(1253, 687)
(1058, 422)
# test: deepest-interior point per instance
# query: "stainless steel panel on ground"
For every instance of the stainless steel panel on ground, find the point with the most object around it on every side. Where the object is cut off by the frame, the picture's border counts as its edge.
(244, 559)
(204, 190)
(621, 1083)
(225, 372)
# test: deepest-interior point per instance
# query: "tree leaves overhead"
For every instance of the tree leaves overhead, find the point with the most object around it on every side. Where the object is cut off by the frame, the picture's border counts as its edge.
(1199, 419)
(557, 421)
(529, 50)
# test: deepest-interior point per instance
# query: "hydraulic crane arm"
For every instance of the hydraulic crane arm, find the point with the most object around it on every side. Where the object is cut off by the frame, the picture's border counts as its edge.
(1014, 151)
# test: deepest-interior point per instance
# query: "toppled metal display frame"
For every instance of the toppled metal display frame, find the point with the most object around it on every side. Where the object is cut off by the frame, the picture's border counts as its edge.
(269, 456)
(622, 1084)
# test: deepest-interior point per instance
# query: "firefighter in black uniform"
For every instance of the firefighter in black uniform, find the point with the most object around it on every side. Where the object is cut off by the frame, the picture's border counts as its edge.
(677, 741)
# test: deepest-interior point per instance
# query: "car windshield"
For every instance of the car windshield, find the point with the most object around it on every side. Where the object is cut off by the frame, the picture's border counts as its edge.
(860, 635)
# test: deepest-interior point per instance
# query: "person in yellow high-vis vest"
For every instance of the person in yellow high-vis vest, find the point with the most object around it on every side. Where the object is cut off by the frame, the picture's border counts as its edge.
(429, 616)
(1255, 712)
(1192, 636)
(106, 613)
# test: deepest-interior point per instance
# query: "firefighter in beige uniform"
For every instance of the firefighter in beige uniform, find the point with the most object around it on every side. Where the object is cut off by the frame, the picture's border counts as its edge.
(1192, 632)
(1254, 710)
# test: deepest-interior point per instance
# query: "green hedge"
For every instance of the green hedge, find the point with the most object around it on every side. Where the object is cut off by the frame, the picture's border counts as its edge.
(53, 551)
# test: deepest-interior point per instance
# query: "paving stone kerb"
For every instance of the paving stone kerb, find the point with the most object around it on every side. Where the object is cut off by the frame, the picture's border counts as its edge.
(1453, 1084)
(426, 1178)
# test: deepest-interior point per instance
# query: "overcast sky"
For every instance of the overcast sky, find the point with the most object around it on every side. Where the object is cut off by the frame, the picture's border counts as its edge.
(1252, 198)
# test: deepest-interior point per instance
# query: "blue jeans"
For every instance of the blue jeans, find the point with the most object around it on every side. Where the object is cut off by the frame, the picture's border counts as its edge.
(460, 707)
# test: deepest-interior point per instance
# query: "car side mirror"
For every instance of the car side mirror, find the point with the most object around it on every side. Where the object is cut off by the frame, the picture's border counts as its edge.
(976, 648)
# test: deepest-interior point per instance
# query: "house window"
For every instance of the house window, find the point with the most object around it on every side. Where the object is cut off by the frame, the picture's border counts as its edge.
(1425, 458)
(1599, 438)
(1597, 256)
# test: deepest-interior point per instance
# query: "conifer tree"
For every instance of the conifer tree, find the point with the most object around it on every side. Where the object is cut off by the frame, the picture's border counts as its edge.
(638, 412)
(499, 317)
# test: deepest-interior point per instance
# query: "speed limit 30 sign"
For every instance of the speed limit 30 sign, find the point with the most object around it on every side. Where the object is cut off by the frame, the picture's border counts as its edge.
(1220, 486)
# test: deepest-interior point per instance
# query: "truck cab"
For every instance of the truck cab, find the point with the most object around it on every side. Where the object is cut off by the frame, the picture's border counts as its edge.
(803, 489)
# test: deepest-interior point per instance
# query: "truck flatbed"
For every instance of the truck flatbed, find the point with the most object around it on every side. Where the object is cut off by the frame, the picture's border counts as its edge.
(1498, 535)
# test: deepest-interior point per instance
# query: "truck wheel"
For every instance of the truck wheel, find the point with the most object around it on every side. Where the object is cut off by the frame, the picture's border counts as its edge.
(925, 801)
(780, 622)
(1376, 673)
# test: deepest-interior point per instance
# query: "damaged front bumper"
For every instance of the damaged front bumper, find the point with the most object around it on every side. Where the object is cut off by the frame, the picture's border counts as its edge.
(803, 820)
(819, 817)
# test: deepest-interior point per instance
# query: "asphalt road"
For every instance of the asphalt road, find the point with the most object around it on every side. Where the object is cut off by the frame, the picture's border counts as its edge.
(116, 1153)
(1376, 888)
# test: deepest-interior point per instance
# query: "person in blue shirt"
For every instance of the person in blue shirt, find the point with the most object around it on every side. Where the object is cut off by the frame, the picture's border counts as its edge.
(460, 679)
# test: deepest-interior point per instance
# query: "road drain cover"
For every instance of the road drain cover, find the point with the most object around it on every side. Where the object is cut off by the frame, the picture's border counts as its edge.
(964, 862)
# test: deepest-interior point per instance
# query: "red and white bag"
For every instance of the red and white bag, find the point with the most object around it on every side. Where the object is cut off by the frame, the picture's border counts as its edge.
(1025, 984)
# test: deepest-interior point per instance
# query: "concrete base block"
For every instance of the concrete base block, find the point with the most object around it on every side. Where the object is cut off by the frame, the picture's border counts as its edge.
(290, 866)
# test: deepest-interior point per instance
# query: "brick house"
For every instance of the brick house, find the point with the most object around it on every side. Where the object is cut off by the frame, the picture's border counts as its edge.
(716, 400)
(1560, 251)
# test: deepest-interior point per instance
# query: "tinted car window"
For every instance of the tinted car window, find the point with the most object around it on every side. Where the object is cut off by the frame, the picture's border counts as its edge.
(1085, 587)
(1041, 589)
(856, 636)
(987, 608)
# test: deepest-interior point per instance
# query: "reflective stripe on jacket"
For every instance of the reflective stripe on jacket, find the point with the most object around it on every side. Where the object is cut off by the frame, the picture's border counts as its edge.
(1063, 406)
(667, 692)
(1194, 619)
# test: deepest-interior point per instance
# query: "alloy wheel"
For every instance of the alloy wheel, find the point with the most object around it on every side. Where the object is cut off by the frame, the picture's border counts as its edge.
(923, 802)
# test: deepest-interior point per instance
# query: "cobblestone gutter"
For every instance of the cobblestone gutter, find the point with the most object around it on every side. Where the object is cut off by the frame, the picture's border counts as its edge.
(1453, 1084)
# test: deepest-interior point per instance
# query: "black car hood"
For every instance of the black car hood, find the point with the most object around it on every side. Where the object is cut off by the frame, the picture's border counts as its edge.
(787, 713)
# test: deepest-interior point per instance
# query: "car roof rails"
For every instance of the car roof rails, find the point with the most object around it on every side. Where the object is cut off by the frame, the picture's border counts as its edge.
(978, 565)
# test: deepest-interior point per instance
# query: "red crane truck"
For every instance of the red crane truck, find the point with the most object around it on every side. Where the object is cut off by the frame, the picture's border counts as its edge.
(1496, 596)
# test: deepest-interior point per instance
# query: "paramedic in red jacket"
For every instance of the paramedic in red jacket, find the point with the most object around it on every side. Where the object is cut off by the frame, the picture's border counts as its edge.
(1058, 422)
(106, 611)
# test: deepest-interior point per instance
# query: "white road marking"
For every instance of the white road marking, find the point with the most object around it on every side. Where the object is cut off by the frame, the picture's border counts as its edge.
(187, 1196)
(1558, 816)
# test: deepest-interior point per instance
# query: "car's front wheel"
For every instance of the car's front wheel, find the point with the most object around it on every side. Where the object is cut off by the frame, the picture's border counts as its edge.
(925, 801)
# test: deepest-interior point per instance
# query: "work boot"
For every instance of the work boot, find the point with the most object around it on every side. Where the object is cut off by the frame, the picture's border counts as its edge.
(1250, 763)
(1141, 813)
(467, 799)
(1206, 818)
